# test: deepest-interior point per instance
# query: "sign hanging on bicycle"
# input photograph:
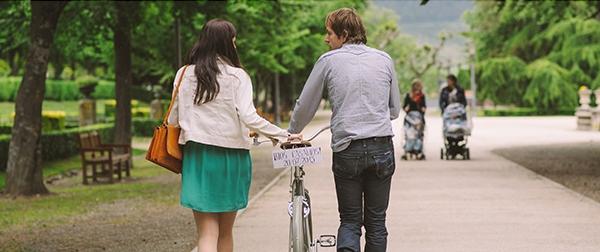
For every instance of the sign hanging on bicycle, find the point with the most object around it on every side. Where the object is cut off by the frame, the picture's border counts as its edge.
(296, 157)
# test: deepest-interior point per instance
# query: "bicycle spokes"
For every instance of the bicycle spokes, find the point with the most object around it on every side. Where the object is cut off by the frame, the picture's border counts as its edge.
(305, 208)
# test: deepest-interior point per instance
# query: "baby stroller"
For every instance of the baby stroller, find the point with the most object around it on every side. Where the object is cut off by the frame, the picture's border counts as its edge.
(414, 126)
(456, 131)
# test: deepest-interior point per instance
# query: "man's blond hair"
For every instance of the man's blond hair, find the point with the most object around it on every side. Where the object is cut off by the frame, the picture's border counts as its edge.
(346, 22)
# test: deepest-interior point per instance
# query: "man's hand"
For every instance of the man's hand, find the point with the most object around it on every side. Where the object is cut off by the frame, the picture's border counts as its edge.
(295, 137)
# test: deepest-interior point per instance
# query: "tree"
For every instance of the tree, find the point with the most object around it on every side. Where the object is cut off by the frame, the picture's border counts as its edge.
(411, 60)
(549, 48)
(125, 15)
(15, 17)
(24, 170)
(83, 39)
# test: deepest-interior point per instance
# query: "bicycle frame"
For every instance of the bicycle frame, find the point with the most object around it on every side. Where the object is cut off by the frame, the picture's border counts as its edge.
(299, 208)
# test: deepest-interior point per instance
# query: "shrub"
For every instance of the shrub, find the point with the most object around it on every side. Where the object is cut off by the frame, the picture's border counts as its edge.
(8, 88)
(51, 120)
(6, 129)
(4, 68)
(59, 144)
(527, 111)
(86, 80)
(140, 112)
(61, 90)
(144, 126)
(4, 143)
(104, 90)
(110, 106)
(87, 84)
(57, 90)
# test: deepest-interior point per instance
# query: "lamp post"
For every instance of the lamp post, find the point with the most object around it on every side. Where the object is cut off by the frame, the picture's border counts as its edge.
(473, 56)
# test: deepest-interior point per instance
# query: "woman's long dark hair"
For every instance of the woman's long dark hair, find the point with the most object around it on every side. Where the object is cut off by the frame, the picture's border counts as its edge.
(215, 40)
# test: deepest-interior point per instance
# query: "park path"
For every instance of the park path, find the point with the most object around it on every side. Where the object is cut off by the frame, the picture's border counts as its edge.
(485, 204)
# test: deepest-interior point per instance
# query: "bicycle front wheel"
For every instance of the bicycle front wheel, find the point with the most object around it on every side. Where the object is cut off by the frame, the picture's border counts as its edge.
(298, 225)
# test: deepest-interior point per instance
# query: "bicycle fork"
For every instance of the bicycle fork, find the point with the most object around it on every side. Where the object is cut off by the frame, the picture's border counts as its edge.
(301, 229)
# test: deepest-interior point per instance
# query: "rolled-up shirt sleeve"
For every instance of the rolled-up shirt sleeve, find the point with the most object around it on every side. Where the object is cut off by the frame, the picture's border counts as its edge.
(247, 112)
(310, 98)
(394, 95)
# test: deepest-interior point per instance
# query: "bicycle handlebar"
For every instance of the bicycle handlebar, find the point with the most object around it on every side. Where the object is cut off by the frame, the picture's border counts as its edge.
(318, 132)
(256, 142)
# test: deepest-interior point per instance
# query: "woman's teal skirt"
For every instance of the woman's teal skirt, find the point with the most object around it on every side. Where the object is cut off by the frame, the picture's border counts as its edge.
(215, 179)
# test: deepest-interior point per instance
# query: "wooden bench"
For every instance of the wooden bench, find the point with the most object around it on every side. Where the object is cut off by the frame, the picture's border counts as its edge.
(105, 160)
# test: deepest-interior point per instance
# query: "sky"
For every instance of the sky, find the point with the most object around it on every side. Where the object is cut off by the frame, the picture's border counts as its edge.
(427, 21)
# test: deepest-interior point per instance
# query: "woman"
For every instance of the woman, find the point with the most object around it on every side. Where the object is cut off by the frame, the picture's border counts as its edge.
(414, 123)
(452, 93)
(415, 100)
(214, 110)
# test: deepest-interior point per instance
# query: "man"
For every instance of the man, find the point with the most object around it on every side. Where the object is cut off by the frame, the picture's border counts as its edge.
(452, 93)
(364, 95)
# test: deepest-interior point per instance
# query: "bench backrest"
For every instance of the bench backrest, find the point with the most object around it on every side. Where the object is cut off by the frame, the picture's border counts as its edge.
(89, 140)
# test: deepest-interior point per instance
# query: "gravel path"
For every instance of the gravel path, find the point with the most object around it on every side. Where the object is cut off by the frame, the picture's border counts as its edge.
(131, 224)
(128, 225)
(576, 165)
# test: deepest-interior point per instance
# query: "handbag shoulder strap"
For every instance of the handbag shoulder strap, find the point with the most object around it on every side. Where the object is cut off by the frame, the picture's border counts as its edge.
(174, 95)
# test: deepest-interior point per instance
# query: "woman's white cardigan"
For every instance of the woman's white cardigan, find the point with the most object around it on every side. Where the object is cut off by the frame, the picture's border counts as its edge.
(225, 120)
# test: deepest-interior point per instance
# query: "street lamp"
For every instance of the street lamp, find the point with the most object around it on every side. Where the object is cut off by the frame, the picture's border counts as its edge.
(473, 57)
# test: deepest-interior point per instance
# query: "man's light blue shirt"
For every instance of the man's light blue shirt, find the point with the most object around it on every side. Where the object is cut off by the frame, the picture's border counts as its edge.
(363, 91)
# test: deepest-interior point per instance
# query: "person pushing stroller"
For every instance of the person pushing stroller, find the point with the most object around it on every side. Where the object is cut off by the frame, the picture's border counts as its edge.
(455, 126)
(414, 122)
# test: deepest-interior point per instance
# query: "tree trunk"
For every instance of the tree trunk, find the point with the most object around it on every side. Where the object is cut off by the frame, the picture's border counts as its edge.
(122, 44)
(58, 69)
(73, 67)
(277, 99)
(12, 62)
(24, 170)
(178, 40)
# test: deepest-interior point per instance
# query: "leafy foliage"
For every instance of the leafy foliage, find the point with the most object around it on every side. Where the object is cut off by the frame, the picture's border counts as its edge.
(536, 53)
(503, 80)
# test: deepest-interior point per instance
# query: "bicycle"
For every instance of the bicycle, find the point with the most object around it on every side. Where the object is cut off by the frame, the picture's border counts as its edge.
(299, 207)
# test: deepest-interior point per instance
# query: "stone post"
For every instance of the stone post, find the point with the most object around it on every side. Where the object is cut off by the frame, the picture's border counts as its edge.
(596, 112)
(584, 112)
(156, 109)
(87, 111)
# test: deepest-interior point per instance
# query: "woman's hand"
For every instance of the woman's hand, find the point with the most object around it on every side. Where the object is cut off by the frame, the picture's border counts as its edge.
(295, 137)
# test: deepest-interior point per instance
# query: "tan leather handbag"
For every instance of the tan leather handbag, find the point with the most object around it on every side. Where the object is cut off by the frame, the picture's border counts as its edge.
(164, 149)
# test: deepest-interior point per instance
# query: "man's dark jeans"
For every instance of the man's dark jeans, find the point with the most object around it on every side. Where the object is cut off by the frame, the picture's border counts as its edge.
(363, 174)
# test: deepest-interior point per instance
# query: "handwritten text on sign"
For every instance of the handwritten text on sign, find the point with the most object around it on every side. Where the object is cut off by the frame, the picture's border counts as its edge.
(296, 157)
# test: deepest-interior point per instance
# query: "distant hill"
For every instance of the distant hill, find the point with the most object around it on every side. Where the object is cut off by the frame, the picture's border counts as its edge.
(426, 22)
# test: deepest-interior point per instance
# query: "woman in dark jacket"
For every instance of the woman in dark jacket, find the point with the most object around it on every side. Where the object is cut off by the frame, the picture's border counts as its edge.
(452, 93)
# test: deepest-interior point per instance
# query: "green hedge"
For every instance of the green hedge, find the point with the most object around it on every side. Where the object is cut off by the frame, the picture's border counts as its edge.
(517, 111)
(5, 129)
(51, 120)
(8, 88)
(4, 143)
(110, 107)
(56, 90)
(144, 127)
(68, 90)
(59, 144)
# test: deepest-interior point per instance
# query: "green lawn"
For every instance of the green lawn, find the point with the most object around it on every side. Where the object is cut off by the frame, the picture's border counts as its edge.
(71, 108)
(59, 166)
(76, 198)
